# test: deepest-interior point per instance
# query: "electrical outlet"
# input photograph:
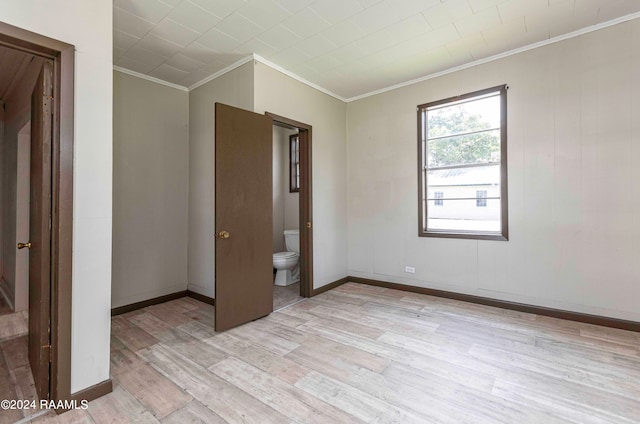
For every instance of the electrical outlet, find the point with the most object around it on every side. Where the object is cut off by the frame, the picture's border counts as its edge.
(410, 269)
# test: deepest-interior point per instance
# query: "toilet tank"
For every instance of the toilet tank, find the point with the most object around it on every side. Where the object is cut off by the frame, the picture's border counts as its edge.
(292, 240)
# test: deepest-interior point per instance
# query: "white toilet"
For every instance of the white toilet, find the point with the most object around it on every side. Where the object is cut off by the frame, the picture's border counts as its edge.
(287, 262)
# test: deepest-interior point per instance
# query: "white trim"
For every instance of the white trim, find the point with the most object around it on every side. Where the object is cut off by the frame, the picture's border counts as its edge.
(221, 72)
(501, 55)
(291, 304)
(290, 74)
(150, 78)
(298, 78)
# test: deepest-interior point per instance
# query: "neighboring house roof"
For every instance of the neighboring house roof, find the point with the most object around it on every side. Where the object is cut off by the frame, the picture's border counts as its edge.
(483, 175)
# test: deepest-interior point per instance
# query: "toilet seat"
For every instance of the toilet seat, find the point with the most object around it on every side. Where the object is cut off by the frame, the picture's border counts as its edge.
(284, 255)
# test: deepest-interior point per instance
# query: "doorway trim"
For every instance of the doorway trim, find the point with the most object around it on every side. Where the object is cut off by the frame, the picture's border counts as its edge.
(62, 55)
(306, 201)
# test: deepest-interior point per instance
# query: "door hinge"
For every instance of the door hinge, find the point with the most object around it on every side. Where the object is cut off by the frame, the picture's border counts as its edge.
(50, 354)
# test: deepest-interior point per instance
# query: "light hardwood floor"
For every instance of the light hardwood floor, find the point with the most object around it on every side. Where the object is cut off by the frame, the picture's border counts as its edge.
(12, 324)
(285, 296)
(16, 381)
(4, 306)
(366, 354)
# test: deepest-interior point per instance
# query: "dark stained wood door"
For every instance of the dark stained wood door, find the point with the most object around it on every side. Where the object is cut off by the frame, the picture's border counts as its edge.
(40, 232)
(244, 223)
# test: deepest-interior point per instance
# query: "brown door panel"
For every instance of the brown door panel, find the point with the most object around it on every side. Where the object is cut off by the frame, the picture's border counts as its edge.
(40, 232)
(243, 257)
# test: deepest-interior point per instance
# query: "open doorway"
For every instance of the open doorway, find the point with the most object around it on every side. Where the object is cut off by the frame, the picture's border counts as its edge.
(15, 153)
(292, 224)
(286, 217)
(36, 213)
(27, 375)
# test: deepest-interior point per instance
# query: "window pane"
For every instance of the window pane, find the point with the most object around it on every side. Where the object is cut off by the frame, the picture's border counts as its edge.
(470, 115)
(463, 215)
(294, 163)
(471, 179)
(483, 147)
(457, 194)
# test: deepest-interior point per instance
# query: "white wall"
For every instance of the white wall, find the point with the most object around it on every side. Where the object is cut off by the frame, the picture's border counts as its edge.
(278, 189)
(235, 89)
(8, 163)
(286, 205)
(88, 26)
(150, 189)
(574, 155)
(291, 207)
(23, 200)
(284, 96)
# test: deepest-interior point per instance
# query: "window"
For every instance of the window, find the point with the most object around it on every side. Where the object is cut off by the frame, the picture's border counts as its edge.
(481, 198)
(463, 153)
(437, 198)
(294, 163)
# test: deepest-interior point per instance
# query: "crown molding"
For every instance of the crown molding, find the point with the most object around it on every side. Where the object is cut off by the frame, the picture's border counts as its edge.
(298, 78)
(149, 78)
(221, 72)
(543, 43)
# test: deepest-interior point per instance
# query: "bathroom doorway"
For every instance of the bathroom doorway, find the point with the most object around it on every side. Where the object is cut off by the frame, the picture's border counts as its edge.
(292, 221)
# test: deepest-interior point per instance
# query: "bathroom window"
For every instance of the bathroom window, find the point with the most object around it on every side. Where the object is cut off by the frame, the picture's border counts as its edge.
(294, 163)
(463, 153)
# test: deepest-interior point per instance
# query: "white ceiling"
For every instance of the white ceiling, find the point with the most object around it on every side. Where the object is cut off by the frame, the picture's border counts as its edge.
(348, 47)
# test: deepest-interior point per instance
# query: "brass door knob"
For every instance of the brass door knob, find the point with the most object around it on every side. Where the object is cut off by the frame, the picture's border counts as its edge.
(23, 245)
(223, 235)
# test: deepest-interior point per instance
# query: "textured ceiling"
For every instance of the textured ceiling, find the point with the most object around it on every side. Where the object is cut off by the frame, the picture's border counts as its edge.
(348, 47)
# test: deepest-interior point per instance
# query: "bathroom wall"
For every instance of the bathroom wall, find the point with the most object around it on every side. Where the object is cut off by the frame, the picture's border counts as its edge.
(234, 88)
(285, 204)
(291, 200)
(573, 164)
(150, 189)
(278, 189)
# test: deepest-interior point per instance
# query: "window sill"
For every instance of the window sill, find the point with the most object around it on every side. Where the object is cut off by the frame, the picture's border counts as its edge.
(459, 235)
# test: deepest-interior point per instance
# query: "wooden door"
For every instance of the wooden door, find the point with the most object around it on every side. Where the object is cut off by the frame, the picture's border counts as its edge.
(39, 232)
(305, 215)
(244, 224)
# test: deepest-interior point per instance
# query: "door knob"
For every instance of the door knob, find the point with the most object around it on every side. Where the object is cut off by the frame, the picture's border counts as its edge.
(23, 245)
(223, 235)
